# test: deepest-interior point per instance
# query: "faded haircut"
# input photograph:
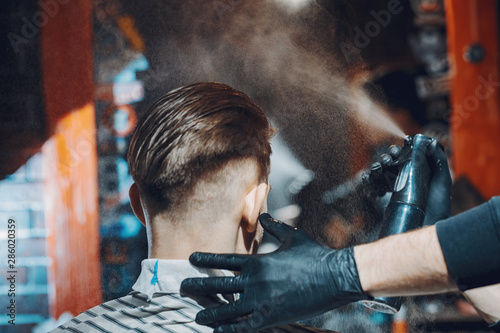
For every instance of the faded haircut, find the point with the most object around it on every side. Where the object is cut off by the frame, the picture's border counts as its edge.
(192, 132)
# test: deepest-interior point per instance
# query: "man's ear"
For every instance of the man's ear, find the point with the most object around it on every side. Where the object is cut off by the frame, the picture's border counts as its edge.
(253, 203)
(135, 202)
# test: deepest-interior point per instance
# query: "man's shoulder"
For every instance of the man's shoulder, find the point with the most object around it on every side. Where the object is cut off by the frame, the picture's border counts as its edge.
(89, 320)
(163, 313)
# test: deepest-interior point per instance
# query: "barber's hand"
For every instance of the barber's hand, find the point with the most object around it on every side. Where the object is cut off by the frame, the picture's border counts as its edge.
(382, 175)
(439, 198)
(300, 280)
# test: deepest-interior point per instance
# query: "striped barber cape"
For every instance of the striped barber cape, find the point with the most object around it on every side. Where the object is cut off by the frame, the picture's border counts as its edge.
(156, 305)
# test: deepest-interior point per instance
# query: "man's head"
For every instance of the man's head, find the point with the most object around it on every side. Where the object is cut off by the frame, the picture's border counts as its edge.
(197, 154)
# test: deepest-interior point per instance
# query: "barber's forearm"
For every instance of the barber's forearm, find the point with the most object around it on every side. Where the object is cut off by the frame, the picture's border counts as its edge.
(405, 264)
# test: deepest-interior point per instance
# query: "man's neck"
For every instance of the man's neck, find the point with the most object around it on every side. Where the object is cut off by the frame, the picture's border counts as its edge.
(174, 240)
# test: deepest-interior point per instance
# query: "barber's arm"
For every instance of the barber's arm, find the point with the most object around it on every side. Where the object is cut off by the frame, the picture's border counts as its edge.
(410, 279)
(402, 265)
(462, 252)
(480, 225)
(414, 263)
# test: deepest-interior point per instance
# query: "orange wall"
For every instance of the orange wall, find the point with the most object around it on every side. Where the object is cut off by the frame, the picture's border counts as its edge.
(475, 117)
(71, 192)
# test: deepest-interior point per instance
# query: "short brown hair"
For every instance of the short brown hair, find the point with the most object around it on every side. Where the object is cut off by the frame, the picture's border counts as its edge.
(194, 130)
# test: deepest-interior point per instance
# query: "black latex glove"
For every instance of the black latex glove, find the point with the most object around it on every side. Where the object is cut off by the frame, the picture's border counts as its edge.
(300, 280)
(439, 198)
(382, 175)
